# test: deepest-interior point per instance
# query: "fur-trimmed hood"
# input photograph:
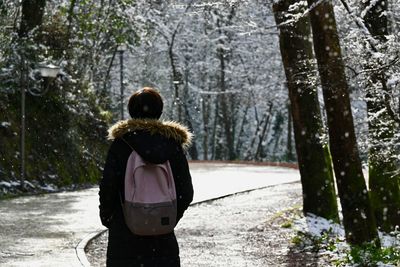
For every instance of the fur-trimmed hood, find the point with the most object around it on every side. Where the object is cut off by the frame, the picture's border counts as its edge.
(169, 129)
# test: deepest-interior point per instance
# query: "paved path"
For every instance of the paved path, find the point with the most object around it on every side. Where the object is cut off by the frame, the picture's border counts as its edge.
(44, 230)
(241, 230)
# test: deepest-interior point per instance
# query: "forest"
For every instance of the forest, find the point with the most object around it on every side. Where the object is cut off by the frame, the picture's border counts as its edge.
(311, 82)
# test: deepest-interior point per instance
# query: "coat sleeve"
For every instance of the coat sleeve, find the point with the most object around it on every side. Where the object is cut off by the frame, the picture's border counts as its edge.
(183, 182)
(109, 186)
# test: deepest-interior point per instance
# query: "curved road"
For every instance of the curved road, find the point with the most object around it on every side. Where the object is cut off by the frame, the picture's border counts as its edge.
(45, 230)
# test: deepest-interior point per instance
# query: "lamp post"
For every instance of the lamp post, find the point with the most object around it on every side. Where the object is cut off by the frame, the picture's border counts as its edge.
(121, 49)
(46, 72)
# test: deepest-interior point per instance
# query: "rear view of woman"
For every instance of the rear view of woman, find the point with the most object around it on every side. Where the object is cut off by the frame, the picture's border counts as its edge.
(156, 142)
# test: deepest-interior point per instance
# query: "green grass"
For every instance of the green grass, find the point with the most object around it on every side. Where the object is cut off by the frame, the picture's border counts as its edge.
(287, 224)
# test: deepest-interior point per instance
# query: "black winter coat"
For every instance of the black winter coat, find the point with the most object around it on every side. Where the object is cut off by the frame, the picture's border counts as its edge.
(155, 142)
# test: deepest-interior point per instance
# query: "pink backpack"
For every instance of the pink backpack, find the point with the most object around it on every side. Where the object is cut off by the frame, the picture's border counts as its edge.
(150, 206)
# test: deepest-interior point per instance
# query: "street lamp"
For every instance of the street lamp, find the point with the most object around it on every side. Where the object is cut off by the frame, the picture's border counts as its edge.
(121, 49)
(48, 72)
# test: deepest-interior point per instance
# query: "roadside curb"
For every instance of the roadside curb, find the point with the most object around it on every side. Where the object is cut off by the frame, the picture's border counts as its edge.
(80, 247)
(239, 192)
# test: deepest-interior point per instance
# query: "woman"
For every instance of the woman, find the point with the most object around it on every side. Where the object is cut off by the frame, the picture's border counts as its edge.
(156, 142)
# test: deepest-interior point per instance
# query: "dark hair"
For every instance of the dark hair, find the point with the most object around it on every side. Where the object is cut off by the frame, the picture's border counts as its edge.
(145, 104)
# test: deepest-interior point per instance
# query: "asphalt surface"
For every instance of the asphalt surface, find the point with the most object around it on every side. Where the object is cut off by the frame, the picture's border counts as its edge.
(45, 230)
(242, 230)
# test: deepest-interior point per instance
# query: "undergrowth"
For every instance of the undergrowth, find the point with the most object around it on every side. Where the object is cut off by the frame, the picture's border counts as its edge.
(340, 253)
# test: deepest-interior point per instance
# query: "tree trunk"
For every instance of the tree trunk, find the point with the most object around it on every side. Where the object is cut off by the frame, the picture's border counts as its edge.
(289, 146)
(248, 154)
(31, 17)
(319, 195)
(358, 219)
(176, 80)
(239, 141)
(216, 147)
(225, 99)
(205, 106)
(261, 136)
(69, 20)
(187, 102)
(277, 135)
(383, 180)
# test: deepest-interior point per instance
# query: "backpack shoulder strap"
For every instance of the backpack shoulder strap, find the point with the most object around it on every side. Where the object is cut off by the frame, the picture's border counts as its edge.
(121, 197)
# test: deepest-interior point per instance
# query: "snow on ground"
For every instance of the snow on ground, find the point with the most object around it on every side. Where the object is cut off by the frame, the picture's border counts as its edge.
(49, 188)
(5, 124)
(13, 187)
(317, 226)
(333, 235)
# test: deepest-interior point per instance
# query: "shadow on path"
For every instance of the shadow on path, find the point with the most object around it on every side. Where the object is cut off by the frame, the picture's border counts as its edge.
(231, 231)
(298, 258)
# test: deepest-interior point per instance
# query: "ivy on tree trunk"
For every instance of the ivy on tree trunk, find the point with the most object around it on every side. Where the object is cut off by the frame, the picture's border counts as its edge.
(319, 195)
(384, 177)
(358, 219)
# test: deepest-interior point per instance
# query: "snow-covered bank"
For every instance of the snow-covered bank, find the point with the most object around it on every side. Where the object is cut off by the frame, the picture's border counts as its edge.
(14, 188)
(328, 238)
